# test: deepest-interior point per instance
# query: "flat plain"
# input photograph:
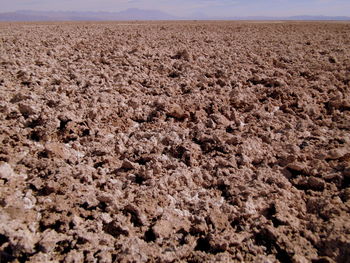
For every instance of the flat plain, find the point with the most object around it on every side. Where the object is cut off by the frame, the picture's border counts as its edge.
(175, 142)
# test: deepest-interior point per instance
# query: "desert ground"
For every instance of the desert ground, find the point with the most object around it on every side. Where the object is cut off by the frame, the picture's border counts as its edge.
(175, 142)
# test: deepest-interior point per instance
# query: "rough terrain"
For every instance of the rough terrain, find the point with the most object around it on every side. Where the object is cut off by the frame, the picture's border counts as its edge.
(175, 142)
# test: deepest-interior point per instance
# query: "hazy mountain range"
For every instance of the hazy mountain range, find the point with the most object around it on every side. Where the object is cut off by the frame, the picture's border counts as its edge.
(137, 14)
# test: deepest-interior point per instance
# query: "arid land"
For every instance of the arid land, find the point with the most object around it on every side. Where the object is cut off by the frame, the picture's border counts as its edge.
(175, 142)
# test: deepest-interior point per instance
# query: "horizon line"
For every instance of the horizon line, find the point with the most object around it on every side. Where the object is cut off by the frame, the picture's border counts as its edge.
(41, 17)
(158, 10)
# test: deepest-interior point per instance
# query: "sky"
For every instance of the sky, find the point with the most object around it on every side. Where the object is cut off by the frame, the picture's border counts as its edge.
(219, 8)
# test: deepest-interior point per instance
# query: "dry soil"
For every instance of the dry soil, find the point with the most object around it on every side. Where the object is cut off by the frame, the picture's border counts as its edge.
(175, 142)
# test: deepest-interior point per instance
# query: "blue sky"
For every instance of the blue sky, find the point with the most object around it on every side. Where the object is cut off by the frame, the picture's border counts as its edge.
(186, 7)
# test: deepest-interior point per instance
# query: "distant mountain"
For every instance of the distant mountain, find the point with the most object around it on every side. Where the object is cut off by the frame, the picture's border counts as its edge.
(129, 14)
(138, 14)
(307, 17)
(14, 16)
(274, 18)
(197, 15)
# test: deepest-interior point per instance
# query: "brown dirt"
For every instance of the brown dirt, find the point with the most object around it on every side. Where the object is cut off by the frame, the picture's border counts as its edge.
(175, 142)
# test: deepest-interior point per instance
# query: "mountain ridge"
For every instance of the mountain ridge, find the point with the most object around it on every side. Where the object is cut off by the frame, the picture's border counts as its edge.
(140, 14)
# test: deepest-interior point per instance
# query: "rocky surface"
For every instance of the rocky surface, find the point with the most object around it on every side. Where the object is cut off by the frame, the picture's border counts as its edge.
(175, 142)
